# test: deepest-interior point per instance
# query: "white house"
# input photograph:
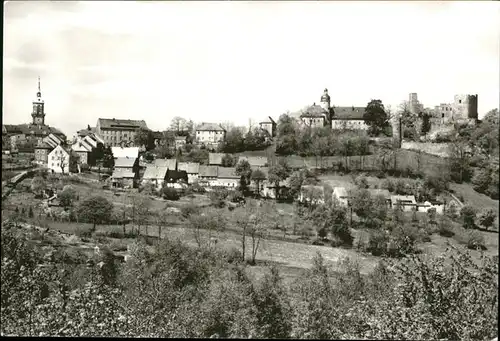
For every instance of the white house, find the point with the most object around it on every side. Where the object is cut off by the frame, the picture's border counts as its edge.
(210, 133)
(208, 175)
(226, 177)
(340, 195)
(407, 202)
(125, 152)
(427, 205)
(58, 160)
(349, 118)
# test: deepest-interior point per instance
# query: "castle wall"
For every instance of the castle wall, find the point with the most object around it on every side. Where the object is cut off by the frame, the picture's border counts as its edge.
(439, 149)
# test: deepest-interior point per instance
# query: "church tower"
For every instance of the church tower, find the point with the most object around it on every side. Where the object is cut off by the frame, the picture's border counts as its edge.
(325, 101)
(38, 113)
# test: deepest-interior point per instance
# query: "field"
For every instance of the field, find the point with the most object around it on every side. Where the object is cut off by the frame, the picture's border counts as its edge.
(478, 200)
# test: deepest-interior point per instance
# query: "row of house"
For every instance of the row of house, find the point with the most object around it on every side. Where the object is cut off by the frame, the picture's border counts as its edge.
(315, 195)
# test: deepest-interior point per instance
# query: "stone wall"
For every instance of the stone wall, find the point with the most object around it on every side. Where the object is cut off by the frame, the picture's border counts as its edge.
(439, 149)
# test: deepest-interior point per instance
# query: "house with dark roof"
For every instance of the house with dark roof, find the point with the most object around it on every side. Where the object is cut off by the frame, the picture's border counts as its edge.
(116, 132)
(227, 177)
(209, 134)
(82, 148)
(125, 172)
(208, 175)
(156, 175)
(314, 116)
(192, 170)
(348, 118)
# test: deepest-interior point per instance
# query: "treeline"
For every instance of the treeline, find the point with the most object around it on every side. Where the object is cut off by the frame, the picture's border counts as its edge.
(172, 290)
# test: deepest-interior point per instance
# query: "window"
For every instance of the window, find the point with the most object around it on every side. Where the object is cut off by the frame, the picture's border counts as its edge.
(52, 164)
(52, 159)
(459, 101)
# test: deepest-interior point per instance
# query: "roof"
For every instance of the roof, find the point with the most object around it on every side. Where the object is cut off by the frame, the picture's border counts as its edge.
(181, 138)
(38, 130)
(348, 113)
(121, 124)
(85, 132)
(43, 145)
(396, 198)
(383, 192)
(189, 167)
(169, 163)
(52, 140)
(155, 172)
(314, 111)
(157, 134)
(215, 158)
(120, 152)
(295, 161)
(340, 192)
(81, 146)
(204, 126)
(124, 162)
(255, 161)
(208, 171)
(268, 119)
(122, 173)
(59, 147)
(227, 173)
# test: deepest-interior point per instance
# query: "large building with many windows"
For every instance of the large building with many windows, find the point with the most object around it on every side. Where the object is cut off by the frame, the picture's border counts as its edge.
(209, 134)
(119, 132)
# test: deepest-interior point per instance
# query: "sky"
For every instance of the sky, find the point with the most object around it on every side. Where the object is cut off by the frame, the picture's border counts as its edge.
(235, 61)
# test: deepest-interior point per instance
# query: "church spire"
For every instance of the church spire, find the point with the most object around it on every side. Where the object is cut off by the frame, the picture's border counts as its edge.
(39, 93)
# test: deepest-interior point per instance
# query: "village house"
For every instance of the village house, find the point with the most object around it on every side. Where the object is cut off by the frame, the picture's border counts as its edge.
(215, 159)
(341, 196)
(226, 177)
(314, 116)
(209, 134)
(172, 175)
(82, 148)
(427, 205)
(208, 175)
(156, 175)
(116, 132)
(192, 170)
(269, 125)
(52, 140)
(125, 172)
(349, 118)
(42, 151)
(406, 202)
(58, 160)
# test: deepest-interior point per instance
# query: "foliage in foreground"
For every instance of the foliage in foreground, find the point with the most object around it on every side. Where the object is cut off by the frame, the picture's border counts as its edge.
(177, 291)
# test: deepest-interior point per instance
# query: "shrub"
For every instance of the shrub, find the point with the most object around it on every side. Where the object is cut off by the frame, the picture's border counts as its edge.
(475, 240)
(381, 175)
(468, 215)
(118, 246)
(486, 218)
(377, 242)
(446, 231)
(170, 193)
(388, 184)
(361, 182)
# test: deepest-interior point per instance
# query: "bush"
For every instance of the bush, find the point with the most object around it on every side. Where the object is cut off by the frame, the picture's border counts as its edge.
(468, 215)
(170, 193)
(475, 241)
(446, 231)
(381, 175)
(361, 182)
(388, 184)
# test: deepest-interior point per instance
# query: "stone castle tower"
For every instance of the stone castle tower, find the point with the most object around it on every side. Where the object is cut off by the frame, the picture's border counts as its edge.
(38, 113)
(465, 108)
(325, 101)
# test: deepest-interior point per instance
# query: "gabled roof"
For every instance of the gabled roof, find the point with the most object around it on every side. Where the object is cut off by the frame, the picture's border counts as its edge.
(85, 132)
(208, 171)
(227, 173)
(215, 158)
(81, 146)
(268, 119)
(169, 163)
(120, 173)
(314, 111)
(204, 126)
(124, 162)
(120, 152)
(121, 124)
(189, 167)
(59, 148)
(155, 172)
(28, 129)
(404, 198)
(255, 161)
(44, 145)
(180, 138)
(348, 113)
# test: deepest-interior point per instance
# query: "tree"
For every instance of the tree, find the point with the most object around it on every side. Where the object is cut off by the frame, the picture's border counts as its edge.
(178, 124)
(361, 203)
(296, 181)
(257, 176)
(481, 180)
(95, 210)
(468, 214)
(67, 196)
(205, 226)
(38, 185)
(244, 170)
(234, 141)
(286, 135)
(426, 123)
(486, 218)
(279, 172)
(408, 121)
(144, 137)
(227, 161)
(142, 210)
(376, 117)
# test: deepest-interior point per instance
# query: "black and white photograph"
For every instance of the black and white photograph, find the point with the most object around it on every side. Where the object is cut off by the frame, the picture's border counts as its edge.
(250, 169)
